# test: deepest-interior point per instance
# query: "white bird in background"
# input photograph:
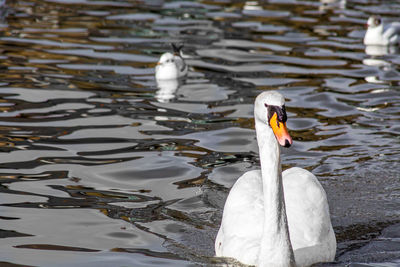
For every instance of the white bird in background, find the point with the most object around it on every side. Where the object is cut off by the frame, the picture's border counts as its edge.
(275, 218)
(171, 65)
(377, 34)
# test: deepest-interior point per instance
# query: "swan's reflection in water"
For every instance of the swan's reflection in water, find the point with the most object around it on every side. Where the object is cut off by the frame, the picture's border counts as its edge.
(167, 90)
(378, 58)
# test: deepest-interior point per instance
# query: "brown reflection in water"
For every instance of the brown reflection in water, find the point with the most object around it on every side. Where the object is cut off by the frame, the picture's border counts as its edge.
(311, 135)
(115, 196)
(330, 148)
(4, 177)
(55, 247)
(194, 182)
(164, 255)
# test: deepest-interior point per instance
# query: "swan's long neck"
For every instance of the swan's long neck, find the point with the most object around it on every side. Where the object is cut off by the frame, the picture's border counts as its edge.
(275, 247)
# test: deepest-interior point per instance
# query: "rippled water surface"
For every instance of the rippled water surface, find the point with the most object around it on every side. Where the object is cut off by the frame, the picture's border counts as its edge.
(102, 166)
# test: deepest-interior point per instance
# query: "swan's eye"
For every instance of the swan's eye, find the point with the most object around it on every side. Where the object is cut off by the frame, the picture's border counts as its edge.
(280, 113)
(377, 21)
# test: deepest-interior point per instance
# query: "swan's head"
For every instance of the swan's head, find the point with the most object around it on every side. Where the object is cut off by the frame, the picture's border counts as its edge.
(270, 109)
(373, 22)
(166, 58)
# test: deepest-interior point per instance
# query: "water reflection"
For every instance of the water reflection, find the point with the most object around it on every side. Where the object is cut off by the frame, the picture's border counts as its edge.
(96, 155)
(381, 50)
(327, 5)
(167, 90)
(379, 57)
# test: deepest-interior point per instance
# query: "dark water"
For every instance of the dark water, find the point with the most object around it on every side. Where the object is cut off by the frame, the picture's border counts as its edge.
(100, 166)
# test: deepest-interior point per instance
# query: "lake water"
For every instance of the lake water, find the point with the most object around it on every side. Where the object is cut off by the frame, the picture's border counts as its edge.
(102, 166)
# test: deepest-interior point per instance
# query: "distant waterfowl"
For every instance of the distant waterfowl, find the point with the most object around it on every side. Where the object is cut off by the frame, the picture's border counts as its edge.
(171, 65)
(378, 34)
(275, 218)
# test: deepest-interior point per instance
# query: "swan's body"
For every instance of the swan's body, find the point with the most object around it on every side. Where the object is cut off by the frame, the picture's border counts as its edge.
(171, 65)
(272, 218)
(378, 34)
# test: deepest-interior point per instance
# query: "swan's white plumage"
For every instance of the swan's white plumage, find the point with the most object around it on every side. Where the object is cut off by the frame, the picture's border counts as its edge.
(307, 209)
(243, 207)
(311, 232)
(243, 223)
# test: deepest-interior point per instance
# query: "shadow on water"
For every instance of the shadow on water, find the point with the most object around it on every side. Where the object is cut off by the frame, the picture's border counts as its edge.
(100, 165)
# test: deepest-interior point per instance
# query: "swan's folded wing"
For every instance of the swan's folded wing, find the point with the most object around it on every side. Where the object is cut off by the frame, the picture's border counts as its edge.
(311, 232)
(241, 227)
(306, 208)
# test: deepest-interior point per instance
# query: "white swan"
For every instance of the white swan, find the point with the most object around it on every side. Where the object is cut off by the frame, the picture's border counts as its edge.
(377, 34)
(171, 65)
(275, 218)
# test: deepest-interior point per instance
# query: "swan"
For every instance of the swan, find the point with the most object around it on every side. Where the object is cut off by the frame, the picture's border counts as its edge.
(377, 34)
(171, 65)
(275, 218)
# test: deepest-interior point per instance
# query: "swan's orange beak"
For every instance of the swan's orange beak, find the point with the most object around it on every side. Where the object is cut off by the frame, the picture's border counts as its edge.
(280, 131)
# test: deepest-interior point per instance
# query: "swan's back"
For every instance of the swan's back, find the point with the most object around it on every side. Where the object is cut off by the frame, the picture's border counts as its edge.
(311, 233)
